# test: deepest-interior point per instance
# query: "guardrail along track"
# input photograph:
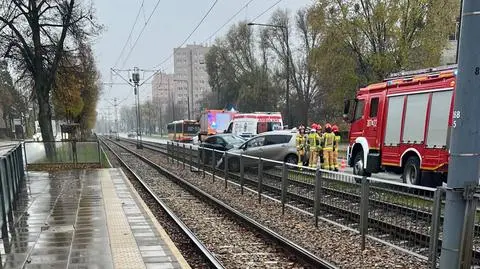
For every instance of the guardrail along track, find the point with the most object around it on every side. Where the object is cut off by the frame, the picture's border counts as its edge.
(229, 235)
(390, 216)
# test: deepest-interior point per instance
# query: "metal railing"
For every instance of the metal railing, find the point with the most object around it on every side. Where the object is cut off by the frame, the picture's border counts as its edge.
(62, 152)
(12, 173)
(407, 217)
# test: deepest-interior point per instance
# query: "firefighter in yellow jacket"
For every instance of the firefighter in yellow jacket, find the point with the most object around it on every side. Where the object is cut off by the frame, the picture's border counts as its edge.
(301, 144)
(336, 131)
(313, 143)
(319, 147)
(328, 140)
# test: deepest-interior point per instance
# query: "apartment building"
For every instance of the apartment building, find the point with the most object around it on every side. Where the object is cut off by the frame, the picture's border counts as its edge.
(191, 78)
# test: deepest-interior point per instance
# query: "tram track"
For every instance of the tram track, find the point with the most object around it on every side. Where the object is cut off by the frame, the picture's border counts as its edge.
(258, 240)
(410, 231)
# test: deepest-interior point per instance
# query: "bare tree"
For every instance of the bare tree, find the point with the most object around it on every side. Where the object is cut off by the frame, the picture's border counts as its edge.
(35, 35)
(302, 74)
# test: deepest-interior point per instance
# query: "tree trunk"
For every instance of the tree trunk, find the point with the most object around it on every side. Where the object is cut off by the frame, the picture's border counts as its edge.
(304, 112)
(45, 121)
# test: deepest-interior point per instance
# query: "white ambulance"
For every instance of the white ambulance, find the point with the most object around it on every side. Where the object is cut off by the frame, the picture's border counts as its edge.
(251, 124)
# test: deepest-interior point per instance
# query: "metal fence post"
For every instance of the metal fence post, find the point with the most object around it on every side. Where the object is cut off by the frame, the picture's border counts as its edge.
(99, 153)
(213, 165)
(203, 157)
(318, 195)
(169, 152)
(198, 159)
(190, 155)
(260, 176)
(8, 189)
(364, 210)
(177, 151)
(25, 152)
(468, 227)
(13, 179)
(284, 186)
(434, 232)
(4, 209)
(184, 158)
(226, 169)
(242, 174)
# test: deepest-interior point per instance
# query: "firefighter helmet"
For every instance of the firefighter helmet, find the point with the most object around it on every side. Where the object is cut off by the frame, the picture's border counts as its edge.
(328, 125)
(319, 127)
(335, 128)
(314, 126)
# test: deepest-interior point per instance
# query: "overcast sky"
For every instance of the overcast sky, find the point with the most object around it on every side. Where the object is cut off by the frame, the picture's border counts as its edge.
(169, 25)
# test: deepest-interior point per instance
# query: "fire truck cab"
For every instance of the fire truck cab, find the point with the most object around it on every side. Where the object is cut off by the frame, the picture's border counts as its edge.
(403, 125)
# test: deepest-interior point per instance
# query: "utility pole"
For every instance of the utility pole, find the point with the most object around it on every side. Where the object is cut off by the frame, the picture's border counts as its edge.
(136, 80)
(108, 121)
(161, 120)
(463, 172)
(115, 105)
(287, 93)
(172, 99)
(190, 90)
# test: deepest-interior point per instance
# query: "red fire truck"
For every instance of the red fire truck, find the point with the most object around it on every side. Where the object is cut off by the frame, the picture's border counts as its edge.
(403, 125)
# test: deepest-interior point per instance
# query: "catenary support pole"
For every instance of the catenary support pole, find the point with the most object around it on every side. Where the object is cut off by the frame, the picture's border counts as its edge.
(464, 143)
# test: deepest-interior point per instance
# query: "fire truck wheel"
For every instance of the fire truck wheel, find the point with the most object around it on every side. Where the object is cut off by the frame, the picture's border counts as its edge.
(358, 165)
(411, 171)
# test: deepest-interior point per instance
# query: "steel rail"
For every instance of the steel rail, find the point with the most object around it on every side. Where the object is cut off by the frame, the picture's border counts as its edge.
(300, 252)
(402, 232)
(208, 256)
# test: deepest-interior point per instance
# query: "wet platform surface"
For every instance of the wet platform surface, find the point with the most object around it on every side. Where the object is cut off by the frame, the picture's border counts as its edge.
(85, 219)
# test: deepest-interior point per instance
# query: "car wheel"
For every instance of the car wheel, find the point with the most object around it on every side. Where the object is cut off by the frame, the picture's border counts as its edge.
(411, 171)
(234, 165)
(291, 159)
(358, 165)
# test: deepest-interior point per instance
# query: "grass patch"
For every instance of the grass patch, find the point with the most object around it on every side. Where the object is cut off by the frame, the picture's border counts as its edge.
(104, 159)
(87, 152)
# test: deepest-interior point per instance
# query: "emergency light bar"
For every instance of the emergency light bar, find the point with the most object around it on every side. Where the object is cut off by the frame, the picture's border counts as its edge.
(411, 74)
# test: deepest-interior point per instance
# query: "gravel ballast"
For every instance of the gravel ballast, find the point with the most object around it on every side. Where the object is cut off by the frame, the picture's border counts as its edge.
(328, 241)
(233, 243)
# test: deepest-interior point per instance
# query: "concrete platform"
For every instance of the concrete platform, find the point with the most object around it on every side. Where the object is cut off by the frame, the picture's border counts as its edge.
(85, 219)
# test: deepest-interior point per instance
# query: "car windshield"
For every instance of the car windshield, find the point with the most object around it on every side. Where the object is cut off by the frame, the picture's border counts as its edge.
(234, 140)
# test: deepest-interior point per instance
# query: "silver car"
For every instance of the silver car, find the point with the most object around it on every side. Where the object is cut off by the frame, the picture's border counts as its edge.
(274, 145)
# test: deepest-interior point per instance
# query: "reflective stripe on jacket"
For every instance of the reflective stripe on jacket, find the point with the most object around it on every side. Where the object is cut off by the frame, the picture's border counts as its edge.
(328, 141)
(337, 142)
(300, 141)
(313, 140)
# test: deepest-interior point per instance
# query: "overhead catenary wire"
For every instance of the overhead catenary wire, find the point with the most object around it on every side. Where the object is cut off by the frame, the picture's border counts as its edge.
(267, 10)
(218, 30)
(130, 34)
(229, 20)
(158, 70)
(189, 35)
(141, 32)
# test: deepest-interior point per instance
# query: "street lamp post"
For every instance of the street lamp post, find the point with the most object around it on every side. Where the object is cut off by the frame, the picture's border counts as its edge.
(136, 80)
(287, 64)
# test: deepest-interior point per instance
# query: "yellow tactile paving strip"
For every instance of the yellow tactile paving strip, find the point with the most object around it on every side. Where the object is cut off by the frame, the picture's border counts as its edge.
(124, 248)
(181, 260)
